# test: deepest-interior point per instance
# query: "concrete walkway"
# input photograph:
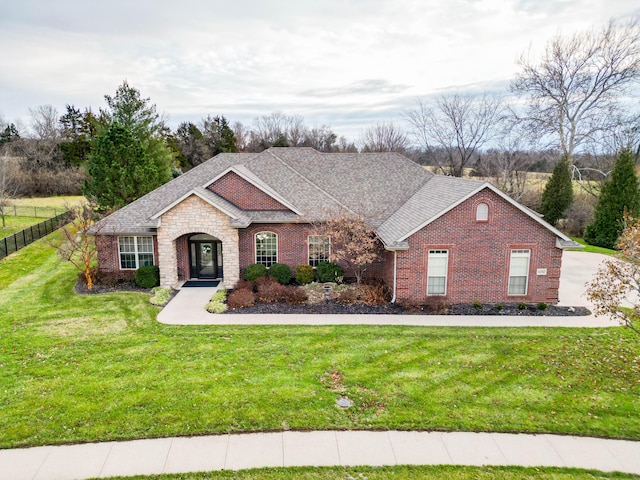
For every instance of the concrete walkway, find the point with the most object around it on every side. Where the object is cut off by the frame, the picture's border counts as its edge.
(187, 308)
(323, 448)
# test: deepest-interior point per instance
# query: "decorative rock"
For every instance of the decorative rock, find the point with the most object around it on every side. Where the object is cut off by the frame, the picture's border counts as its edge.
(344, 402)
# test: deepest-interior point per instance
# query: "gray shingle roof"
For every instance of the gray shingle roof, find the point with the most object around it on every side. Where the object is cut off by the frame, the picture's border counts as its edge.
(396, 195)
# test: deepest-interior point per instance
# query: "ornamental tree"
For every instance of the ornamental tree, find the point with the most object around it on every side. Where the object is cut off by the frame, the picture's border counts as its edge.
(617, 282)
(353, 242)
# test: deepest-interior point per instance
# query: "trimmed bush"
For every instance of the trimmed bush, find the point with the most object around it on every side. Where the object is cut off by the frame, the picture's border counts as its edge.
(270, 290)
(243, 284)
(295, 295)
(219, 296)
(254, 272)
(148, 277)
(280, 272)
(329, 272)
(216, 307)
(304, 274)
(241, 298)
(377, 294)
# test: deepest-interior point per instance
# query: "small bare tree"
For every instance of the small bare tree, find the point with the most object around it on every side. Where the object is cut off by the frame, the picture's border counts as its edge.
(384, 137)
(353, 242)
(9, 187)
(78, 247)
(456, 126)
(618, 281)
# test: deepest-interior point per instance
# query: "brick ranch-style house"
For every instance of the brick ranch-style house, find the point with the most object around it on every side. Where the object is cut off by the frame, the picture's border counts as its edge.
(460, 239)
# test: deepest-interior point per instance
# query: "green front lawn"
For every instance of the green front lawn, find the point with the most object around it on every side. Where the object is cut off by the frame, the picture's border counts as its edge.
(99, 367)
(15, 224)
(394, 473)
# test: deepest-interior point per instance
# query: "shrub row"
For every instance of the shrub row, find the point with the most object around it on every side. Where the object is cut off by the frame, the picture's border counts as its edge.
(326, 272)
(217, 305)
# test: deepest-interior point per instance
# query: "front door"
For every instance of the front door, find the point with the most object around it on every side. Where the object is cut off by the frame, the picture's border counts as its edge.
(204, 259)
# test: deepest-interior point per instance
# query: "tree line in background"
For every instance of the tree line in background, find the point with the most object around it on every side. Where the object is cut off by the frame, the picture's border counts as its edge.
(571, 112)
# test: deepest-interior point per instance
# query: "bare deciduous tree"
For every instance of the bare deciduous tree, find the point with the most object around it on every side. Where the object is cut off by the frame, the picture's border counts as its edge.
(45, 122)
(573, 91)
(457, 126)
(77, 246)
(384, 137)
(9, 187)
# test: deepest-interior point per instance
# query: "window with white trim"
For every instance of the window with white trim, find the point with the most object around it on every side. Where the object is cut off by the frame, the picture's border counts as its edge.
(319, 249)
(482, 212)
(437, 272)
(266, 248)
(519, 271)
(135, 252)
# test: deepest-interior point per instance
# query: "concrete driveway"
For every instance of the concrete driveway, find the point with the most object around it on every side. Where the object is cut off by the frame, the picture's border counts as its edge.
(578, 268)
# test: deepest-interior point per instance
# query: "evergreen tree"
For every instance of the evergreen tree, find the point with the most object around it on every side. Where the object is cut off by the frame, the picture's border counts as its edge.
(619, 194)
(218, 136)
(558, 193)
(130, 157)
(120, 169)
(78, 130)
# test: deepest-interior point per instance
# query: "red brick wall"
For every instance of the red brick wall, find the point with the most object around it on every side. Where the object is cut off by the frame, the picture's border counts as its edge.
(109, 256)
(292, 246)
(292, 243)
(243, 194)
(479, 254)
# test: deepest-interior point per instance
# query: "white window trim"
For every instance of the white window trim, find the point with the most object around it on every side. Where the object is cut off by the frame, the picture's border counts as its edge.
(309, 248)
(136, 252)
(486, 211)
(255, 245)
(442, 252)
(520, 251)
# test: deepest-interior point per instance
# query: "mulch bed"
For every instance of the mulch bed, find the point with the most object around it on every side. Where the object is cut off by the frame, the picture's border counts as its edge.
(332, 307)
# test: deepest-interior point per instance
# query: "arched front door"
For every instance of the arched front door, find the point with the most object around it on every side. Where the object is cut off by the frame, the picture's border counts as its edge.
(205, 256)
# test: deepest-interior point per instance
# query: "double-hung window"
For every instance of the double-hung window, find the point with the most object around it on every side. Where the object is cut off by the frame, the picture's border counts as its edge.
(519, 271)
(135, 252)
(266, 248)
(319, 249)
(437, 272)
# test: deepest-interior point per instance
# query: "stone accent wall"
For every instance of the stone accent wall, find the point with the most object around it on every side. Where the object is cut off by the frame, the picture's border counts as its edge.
(194, 215)
(243, 194)
(479, 255)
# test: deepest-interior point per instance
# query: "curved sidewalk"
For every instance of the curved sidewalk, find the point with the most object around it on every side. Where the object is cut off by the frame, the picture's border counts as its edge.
(319, 448)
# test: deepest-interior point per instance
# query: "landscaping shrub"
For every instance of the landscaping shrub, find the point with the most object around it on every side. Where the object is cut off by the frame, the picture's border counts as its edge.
(295, 295)
(477, 305)
(437, 304)
(329, 272)
(270, 290)
(148, 277)
(219, 296)
(348, 297)
(241, 298)
(522, 306)
(160, 296)
(216, 307)
(243, 284)
(542, 306)
(376, 294)
(280, 272)
(254, 272)
(304, 274)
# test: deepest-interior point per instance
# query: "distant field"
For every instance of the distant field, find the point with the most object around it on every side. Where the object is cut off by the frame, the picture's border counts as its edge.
(15, 224)
(55, 202)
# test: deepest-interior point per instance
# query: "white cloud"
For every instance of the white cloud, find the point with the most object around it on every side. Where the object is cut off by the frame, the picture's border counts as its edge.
(333, 61)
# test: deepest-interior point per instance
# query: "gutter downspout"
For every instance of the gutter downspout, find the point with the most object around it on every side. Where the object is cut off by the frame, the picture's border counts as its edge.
(395, 274)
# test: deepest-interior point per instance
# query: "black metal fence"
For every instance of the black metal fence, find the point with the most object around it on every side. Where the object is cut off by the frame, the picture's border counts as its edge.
(29, 235)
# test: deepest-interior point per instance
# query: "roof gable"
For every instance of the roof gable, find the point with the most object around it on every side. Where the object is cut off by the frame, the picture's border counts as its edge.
(237, 187)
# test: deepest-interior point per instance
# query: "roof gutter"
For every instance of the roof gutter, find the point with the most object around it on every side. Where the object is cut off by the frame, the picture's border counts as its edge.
(395, 275)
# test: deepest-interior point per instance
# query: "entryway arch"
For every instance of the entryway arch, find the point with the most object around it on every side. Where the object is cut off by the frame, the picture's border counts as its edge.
(205, 256)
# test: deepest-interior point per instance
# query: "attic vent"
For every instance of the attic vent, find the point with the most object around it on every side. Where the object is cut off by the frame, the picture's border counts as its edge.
(482, 212)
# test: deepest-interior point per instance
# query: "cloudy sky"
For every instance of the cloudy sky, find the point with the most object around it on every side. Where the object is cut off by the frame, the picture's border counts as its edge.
(346, 63)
